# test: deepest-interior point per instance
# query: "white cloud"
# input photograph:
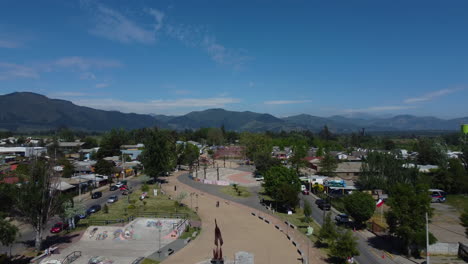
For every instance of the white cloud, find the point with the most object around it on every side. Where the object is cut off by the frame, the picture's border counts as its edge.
(67, 94)
(182, 92)
(13, 71)
(430, 96)
(112, 25)
(156, 105)
(87, 76)
(222, 55)
(380, 108)
(84, 64)
(102, 85)
(283, 102)
(9, 44)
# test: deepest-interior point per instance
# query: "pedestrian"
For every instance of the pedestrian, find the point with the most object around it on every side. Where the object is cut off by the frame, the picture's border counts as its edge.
(217, 203)
(175, 188)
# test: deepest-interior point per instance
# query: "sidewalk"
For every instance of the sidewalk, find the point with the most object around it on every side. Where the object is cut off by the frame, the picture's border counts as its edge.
(241, 231)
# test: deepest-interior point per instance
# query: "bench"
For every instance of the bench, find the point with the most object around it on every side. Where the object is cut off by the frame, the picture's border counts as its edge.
(43, 255)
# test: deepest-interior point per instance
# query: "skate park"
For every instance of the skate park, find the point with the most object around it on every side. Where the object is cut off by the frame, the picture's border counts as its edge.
(122, 244)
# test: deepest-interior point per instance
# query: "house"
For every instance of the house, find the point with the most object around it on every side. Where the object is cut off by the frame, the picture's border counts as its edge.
(348, 170)
(23, 151)
(313, 162)
(84, 167)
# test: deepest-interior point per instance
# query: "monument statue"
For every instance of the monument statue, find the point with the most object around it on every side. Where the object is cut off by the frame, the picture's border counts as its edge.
(218, 252)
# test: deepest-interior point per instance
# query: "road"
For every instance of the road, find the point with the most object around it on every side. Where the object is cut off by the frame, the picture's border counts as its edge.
(368, 254)
(27, 234)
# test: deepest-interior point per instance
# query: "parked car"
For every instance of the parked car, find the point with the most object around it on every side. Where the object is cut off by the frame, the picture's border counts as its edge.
(93, 209)
(96, 195)
(119, 184)
(342, 219)
(125, 192)
(58, 227)
(305, 192)
(326, 206)
(319, 201)
(82, 216)
(113, 199)
(123, 187)
(113, 188)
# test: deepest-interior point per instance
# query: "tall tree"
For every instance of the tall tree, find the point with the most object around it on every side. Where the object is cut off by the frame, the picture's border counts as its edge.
(406, 218)
(325, 133)
(328, 165)
(345, 246)
(159, 153)
(111, 142)
(299, 153)
(8, 232)
(38, 199)
(431, 151)
(307, 210)
(360, 206)
(464, 221)
(283, 185)
(382, 170)
(328, 232)
(104, 167)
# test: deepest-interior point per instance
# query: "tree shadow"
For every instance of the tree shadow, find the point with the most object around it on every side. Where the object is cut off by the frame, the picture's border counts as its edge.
(18, 259)
(386, 242)
(53, 240)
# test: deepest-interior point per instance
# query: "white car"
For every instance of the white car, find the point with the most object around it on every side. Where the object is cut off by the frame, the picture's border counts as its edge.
(119, 184)
(113, 199)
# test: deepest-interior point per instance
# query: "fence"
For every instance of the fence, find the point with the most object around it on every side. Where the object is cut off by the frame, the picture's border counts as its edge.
(443, 249)
(71, 257)
(98, 222)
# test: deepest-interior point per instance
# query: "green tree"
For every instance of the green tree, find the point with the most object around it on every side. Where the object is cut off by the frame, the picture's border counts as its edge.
(382, 171)
(325, 133)
(307, 210)
(431, 151)
(406, 218)
(345, 246)
(39, 199)
(389, 144)
(70, 210)
(215, 136)
(283, 185)
(328, 165)
(8, 233)
(328, 232)
(159, 153)
(264, 161)
(360, 206)
(104, 167)
(299, 153)
(89, 142)
(68, 168)
(111, 142)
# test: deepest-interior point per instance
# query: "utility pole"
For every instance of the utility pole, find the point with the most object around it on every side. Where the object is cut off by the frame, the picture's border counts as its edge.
(427, 240)
(217, 171)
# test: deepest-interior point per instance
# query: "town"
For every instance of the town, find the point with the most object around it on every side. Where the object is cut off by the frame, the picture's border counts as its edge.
(370, 198)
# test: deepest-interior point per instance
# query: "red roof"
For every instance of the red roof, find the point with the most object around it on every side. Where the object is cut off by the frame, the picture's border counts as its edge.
(13, 167)
(10, 180)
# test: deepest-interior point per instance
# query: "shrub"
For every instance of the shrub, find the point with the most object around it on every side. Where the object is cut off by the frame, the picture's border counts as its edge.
(145, 187)
(106, 209)
(131, 206)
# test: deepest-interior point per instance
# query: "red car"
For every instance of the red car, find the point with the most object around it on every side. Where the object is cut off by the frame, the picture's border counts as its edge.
(58, 227)
(305, 192)
(123, 188)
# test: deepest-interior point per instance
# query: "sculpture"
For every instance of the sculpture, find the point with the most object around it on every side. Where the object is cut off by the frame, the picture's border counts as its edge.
(218, 252)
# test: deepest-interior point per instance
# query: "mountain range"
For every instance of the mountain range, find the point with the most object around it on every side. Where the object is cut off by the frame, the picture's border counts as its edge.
(25, 111)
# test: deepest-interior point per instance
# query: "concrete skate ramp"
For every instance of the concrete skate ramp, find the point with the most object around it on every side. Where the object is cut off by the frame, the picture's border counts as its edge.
(136, 239)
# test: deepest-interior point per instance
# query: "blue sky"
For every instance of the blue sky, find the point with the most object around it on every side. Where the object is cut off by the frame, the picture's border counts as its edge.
(281, 57)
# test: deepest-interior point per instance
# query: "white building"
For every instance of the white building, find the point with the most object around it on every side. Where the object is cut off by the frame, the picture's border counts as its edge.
(23, 151)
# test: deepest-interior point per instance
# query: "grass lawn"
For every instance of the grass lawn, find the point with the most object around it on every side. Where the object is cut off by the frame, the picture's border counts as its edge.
(230, 190)
(459, 201)
(188, 233)
(297, 219)
(149, 261)
(128, 206)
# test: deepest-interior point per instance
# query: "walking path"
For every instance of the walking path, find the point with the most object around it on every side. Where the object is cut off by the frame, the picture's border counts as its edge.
(241, 231)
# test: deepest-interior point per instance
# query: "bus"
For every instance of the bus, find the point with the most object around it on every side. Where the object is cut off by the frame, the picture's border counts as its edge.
(437, 196)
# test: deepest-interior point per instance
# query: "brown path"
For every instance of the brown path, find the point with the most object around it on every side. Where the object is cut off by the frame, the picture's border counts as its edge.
(241, 232)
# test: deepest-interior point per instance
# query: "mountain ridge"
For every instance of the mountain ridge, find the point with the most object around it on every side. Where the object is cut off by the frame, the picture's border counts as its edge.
(27, 111)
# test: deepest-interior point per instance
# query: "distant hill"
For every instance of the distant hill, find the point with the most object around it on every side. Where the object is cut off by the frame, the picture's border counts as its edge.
(27, 111)
(236, 121)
